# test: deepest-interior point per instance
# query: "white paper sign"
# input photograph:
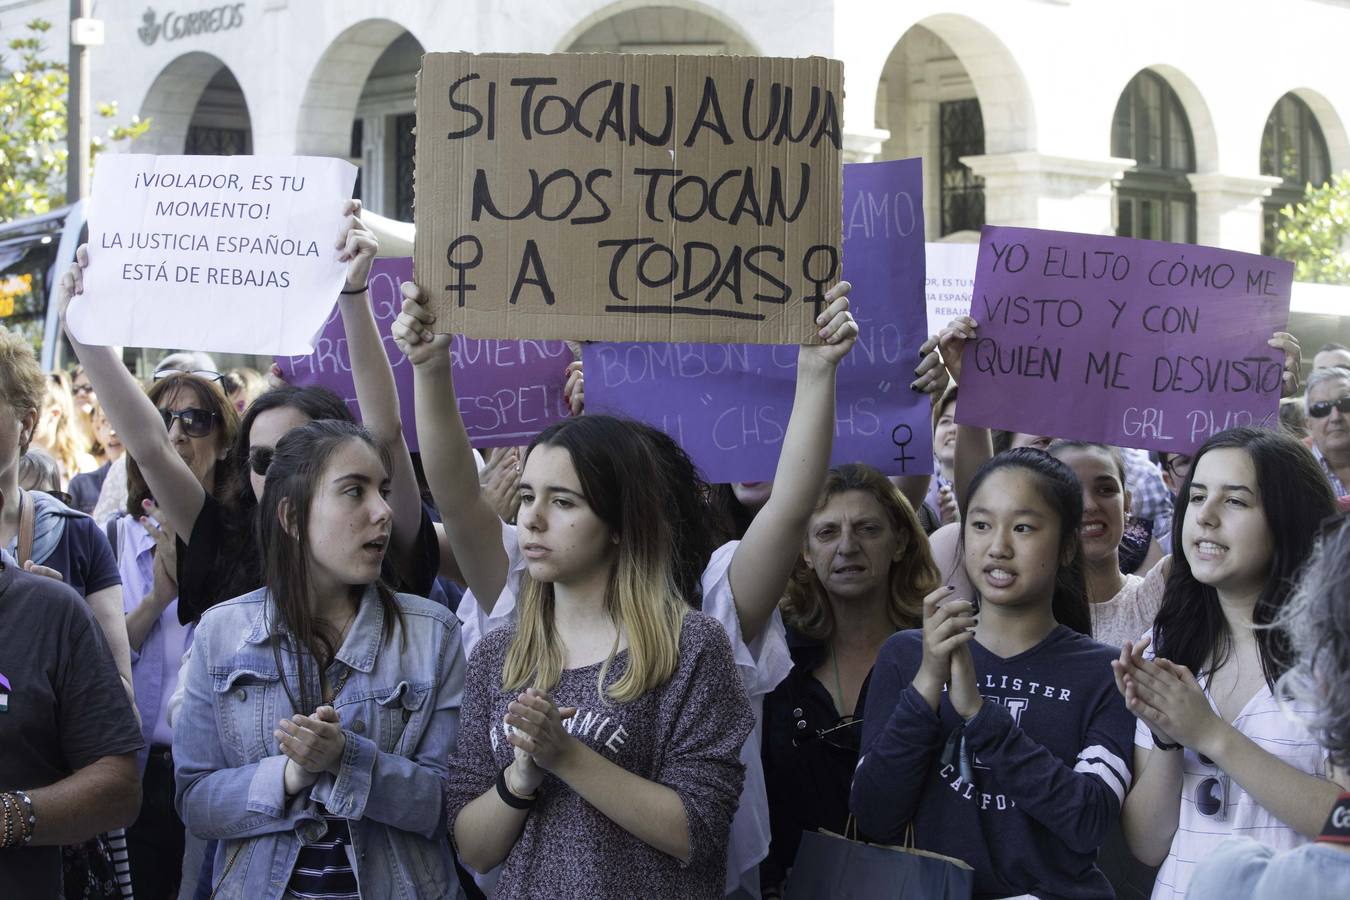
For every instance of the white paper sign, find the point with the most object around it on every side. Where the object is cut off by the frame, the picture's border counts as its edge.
(235, 254)
(951, 279)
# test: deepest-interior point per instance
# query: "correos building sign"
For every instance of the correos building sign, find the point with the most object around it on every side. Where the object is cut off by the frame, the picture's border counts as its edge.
(176, 25)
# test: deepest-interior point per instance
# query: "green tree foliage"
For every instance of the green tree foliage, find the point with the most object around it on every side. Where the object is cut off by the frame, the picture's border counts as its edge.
(33, 127)
(1313, 233)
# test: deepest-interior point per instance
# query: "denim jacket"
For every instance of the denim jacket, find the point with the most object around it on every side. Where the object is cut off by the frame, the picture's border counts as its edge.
(400, 715)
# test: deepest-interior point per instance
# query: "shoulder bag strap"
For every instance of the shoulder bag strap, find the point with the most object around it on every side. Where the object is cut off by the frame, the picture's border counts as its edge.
(27, 517)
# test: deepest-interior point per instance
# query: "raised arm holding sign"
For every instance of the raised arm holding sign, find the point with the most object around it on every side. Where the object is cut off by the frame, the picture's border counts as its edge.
(219, 253)
(628, 197)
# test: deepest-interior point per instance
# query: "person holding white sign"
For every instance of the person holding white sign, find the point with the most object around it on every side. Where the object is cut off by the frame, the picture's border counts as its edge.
(218, 555)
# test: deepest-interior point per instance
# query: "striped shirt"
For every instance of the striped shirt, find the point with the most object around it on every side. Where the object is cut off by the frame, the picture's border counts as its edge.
(1214, 807)
(323, 870)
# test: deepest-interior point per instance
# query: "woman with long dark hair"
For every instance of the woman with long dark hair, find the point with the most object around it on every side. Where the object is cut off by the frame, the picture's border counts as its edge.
(1316, 619)
(348, 788)
(1214, 755)
(995, 730)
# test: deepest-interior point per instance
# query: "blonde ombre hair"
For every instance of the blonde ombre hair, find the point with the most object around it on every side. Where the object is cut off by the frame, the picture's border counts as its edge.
(622, 484)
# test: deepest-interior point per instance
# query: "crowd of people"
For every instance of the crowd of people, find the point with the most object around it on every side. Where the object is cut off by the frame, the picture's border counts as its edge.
(253, 649)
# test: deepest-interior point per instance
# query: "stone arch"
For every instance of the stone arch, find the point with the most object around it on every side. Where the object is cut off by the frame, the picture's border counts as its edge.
(324, 120)
(1333, 128)
(998, 81)
(1203, 132)
(174, 97)
(948, 66)
(629, 22)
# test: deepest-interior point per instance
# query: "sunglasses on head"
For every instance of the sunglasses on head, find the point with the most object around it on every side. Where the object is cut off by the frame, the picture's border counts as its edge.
(1322, 408)
(161, 374)
(196, 422)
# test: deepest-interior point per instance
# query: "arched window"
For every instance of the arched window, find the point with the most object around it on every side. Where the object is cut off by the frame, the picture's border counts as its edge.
(1154, 199)
(1294, 149)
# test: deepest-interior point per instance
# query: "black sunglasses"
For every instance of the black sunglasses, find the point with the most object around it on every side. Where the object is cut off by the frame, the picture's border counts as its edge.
(842, 735)
(196, 422)
(1322, 408)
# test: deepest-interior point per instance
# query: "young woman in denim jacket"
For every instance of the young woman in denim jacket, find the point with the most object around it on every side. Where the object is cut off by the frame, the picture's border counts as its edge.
(320, 710)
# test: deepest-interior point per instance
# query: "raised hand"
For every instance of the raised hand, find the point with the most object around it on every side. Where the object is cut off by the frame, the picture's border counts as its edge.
(952, 342)
(837, 328)
(71, 284)
(501, 481)
(357, 246)
(931, 376)
(413, 330)
(574, 391)
(1293, 361)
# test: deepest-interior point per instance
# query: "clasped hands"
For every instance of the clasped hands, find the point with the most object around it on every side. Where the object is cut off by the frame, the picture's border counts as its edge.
(948, 628)
(312, 745)
(541, 741)
(1167, 698)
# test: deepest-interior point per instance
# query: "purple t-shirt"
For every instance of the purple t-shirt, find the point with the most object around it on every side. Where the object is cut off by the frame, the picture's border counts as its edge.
(686, 734)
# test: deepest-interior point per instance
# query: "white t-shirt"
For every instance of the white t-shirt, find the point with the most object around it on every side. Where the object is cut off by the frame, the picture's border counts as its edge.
(1130, 613)
(763, 663)
(1200, 830)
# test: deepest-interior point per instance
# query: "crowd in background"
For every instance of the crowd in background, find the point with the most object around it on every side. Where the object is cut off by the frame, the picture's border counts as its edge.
(251, 648)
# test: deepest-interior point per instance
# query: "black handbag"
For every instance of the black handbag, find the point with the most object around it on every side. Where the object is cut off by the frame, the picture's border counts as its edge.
(833, 867)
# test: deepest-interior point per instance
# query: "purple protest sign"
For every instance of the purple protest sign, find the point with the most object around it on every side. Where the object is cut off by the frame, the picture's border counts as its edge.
(508, 391)
(728, 404)
(1129, 342)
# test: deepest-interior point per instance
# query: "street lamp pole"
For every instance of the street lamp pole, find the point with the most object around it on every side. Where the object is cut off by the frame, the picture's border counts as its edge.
(84, 33)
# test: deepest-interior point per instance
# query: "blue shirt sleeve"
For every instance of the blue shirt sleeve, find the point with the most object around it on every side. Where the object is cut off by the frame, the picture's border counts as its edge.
(1077, 804)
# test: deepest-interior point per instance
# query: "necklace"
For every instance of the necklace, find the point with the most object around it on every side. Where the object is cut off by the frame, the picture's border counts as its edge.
(337, 689)
(347, 670)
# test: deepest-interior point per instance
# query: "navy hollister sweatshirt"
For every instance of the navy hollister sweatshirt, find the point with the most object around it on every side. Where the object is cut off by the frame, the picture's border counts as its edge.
(1049, 764)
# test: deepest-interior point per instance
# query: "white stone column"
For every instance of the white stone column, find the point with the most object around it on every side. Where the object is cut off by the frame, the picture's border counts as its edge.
(864, 146)
(1228, 209)
(1033, 190)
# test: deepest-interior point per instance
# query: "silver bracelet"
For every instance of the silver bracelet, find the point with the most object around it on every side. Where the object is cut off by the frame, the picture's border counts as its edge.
(30, 821)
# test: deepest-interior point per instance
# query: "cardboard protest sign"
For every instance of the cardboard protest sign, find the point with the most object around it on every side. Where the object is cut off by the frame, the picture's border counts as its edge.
(235, 254)
(628, 197)
(950, 279)
(1129, 342)
(728, 404)
(507, 391)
